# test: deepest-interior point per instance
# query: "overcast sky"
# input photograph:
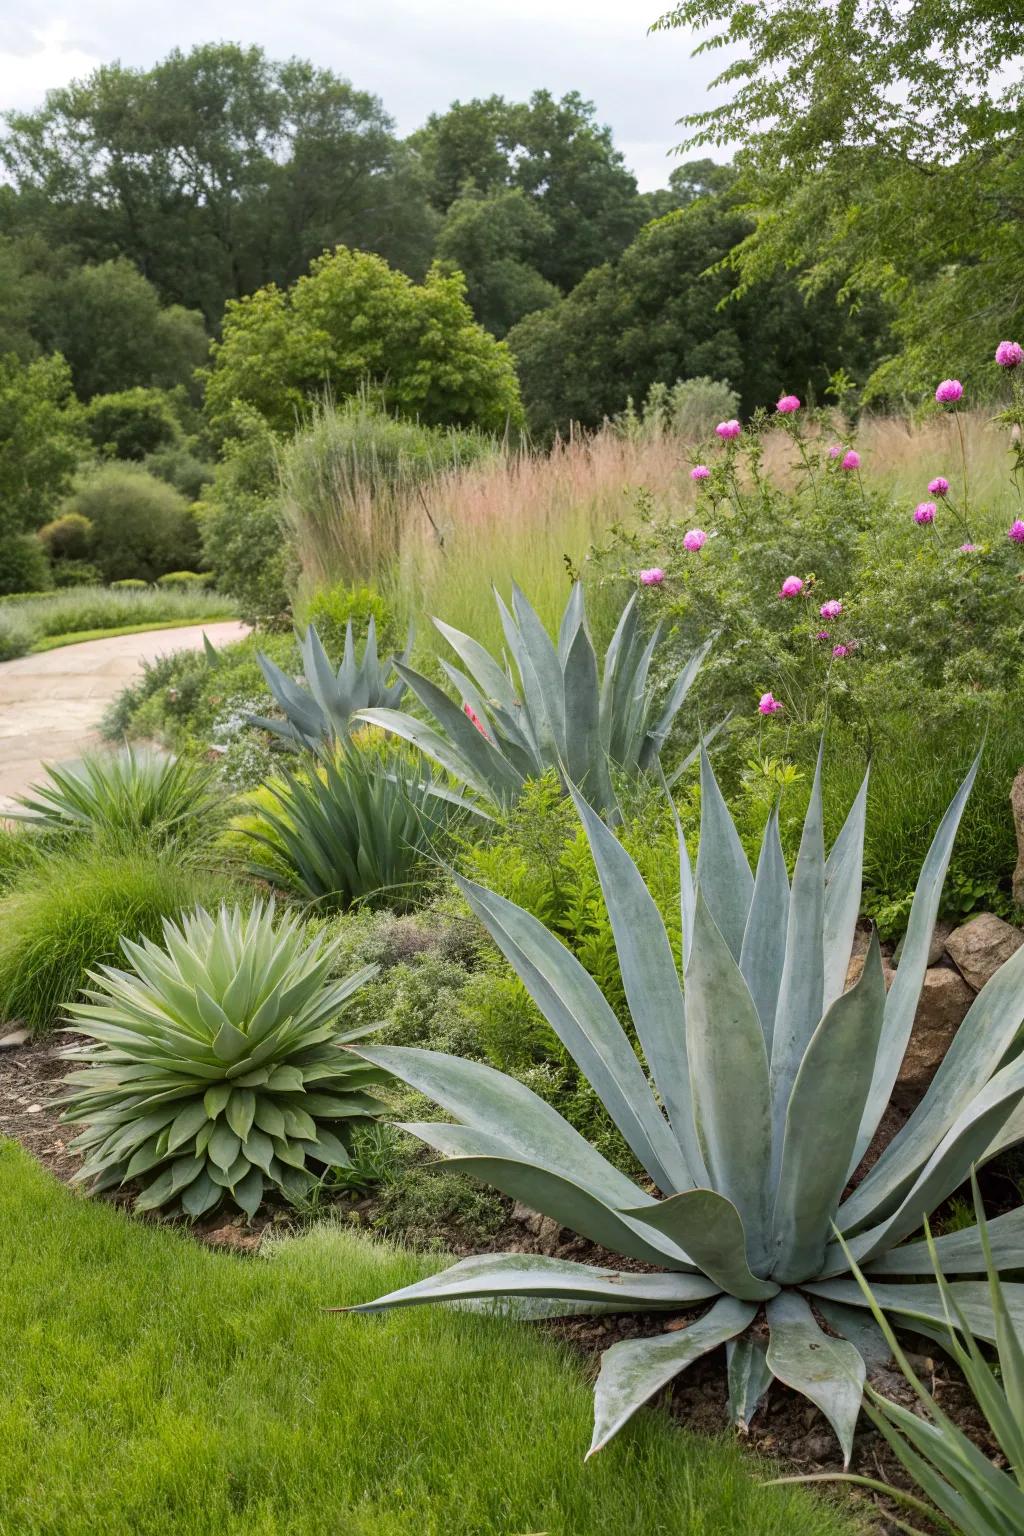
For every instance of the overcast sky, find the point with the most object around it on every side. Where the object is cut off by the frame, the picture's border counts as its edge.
(417, 55)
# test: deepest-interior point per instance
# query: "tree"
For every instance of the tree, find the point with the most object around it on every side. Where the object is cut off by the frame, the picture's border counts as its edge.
(214, 172)
(660, 313)
(560, 158)
(882, 152)
(494, 239)
(40, 439)
(353, 322)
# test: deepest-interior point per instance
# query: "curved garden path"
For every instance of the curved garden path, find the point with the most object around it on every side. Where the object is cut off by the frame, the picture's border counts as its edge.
(51, 704)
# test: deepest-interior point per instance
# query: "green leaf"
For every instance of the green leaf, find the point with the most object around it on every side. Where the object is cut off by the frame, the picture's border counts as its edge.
(749, 1377)
(828, 1371)
(959, 1253)
(185, 1125)
(764, 938)
(224, 1145)
(248, 1192)
(707, 1227)
(843, 880)
(200, 1196)
(215, 1099)
(723, 873)
(241, 1107)
(925, 1301)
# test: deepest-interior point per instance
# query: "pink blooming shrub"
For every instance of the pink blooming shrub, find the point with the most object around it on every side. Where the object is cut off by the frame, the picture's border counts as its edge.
(1009, 354)
(1016, 531)
(839, 651)
(832, 609)
(968, 549)
(924, 512)
(769, 705)
(835, 450)
(791, 587)
(700, 472)
(823, 634)
(851, 459)
(949, 392)
(787, 405)
(728, 429)
(696, 538)
(652, 578)
(939, 486)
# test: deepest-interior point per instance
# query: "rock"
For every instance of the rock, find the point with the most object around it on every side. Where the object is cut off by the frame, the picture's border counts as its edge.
(14, 1039)
(945, 999)
(937, 947)
(1017, 807)
(981, 946)
(544, 1228)
(856, 966)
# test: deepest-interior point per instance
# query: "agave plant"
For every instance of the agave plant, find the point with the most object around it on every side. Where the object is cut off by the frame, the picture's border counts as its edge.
(356, 827)
(764, 1086)
(318, 715)
(553, 712)
(214, 1068)
(975, 1498)
(127, 794)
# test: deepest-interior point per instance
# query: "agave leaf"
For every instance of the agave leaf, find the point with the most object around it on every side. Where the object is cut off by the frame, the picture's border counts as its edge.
(764, 937)
(573, 620)
(707, 1227)
(657, 737)
(828, 1371)
(635, 1369)
(248, 1191)
(972, 1297)
(223, 1146)
(584, 755)
(185, 1124)
(816, 1150)
(723, 874)
(330, 1149)
(541, 677)
(239, 1112)
(843, 880)
(859, 1328)
(168, 1184)
(959, 1253)
(491, 678)
(749, 1377)
(434, 745)
(531, 1274)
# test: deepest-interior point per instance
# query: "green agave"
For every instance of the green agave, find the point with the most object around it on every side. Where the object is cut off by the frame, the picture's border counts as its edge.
(131, 793)
(555, 711)
(764, 1085)
(214, 1068)
(319, 714)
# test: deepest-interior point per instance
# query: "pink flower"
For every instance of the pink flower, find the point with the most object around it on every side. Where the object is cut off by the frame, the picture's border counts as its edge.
(832, 609)
(924, 512)
(700, 472)
(851, 459)
(839, 651)
(652, 578)
(787, 405)
(823, 634)
(968, 549)
(1016, 532)
(695, 539)
(768, 705)
(475, 718)
(835, 450)
(949, 392)
(1009, 354)
(728, 428)
(939, 486)
(792, 586)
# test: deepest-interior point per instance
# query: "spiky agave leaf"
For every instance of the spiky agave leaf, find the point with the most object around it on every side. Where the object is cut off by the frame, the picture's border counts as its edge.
(216, 1065)
(135, 792)
(553, 708)
(764, 1081)
(318, 716)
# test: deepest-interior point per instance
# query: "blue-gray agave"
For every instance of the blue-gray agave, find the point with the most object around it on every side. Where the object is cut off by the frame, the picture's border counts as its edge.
(320, 713)
(761, 1095)
(557, 711)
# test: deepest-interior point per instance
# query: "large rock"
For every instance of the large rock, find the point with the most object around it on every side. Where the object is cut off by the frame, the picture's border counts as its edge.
(945, 999)
(1017, 806)
(980, 947)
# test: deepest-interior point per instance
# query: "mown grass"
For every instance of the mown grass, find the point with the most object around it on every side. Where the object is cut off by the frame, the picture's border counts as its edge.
(75, 637)
(85, 612)
(155, 1388)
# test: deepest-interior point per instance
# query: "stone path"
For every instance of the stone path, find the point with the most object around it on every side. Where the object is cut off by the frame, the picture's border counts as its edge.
(51, 704)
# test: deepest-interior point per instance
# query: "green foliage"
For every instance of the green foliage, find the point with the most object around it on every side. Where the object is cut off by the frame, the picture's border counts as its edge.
(330, 611)
(39, 440)
(67, 915)
(131, 423)
(141, 527)
(23, 564)
(353, 321)
(66, 538)
(193, 581)
(240, 528)
(132, 797)
(232, 1025)
(33, 618)
(690, 410)
(496, 241)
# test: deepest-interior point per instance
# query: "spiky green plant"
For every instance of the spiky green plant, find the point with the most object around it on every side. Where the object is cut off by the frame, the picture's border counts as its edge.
(319, 715)
(975, 1498)
(215, 1067)
(555, 712)
(354, 827)
(761, 1094)
(124, 796)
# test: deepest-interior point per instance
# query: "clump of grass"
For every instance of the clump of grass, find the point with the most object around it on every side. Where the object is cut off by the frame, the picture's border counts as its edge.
(29, 621)
(67, 913)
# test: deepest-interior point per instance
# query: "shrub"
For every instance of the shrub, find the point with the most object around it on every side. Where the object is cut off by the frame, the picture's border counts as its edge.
(195, 580)
(243, 540)
(181, 466)
(690, 409)
(67, 538)
(130, 584)
(131, 423)
(68, 915)
(23, 564)
(77, 573)
(141, 526)
(231, 1024)
(331, 610)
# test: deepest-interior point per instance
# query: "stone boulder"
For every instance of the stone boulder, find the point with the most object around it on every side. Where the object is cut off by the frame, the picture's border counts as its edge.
(1017, 806)
(981, 946)
(945, 999)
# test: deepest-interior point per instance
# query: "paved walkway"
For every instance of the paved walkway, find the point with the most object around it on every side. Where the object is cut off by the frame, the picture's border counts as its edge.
(51, 704)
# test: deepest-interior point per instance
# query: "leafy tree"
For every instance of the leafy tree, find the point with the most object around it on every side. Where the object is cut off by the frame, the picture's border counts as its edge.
(353, 321)
(883, 151)
(557, 155)
(659, 314)
(131, 423)
(40, 439)
(494, 239)
(140, 526)
(214, 172)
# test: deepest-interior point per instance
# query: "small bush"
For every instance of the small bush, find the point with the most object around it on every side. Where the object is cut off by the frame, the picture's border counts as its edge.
(76, 573)
(195, 580)
(142, 527)
(240, 527)
(67, 915)
(330, 609)
(131, 423)
(130, 584)
(67, 538)
(23, 564)
(179, 465)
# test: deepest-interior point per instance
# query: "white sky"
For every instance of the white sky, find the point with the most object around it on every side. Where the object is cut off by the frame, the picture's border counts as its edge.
(417, 55)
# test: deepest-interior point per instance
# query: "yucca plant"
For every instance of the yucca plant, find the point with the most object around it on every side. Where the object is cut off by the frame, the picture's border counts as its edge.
(764, 1086)
(975, 1498)
(214, 1068)
(556, 711)
(125, 795)
(352, 827)
(318, 715)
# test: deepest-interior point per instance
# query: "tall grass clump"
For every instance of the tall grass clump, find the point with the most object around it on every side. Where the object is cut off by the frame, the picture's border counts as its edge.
(30, 621)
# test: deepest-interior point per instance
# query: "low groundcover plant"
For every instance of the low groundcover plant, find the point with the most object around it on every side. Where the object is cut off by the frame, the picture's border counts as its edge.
(767, 1083)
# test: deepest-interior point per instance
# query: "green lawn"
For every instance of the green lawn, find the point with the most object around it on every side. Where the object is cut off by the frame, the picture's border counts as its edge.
(150, 1386)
